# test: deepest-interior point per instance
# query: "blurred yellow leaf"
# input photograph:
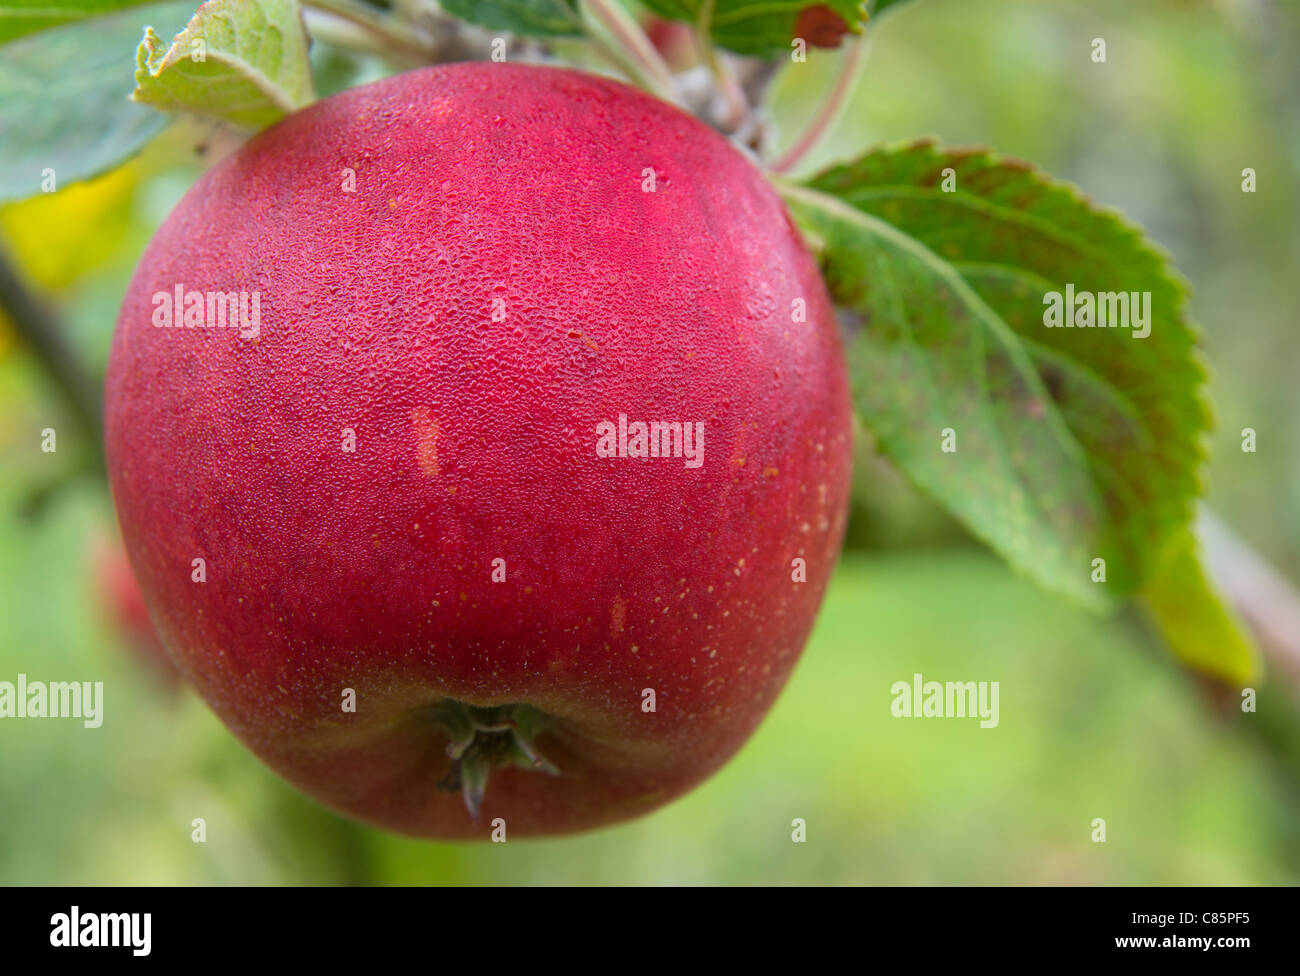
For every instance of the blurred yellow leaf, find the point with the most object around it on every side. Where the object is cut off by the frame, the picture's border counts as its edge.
(58, 237)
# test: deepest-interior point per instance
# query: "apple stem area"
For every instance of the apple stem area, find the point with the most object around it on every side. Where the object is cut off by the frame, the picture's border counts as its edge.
(481, 739)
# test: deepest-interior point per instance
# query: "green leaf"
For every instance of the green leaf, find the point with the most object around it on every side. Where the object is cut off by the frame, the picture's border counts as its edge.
(878, 7)
(534, 18)
(64, 99)
(1196, 621)
(1073, 444)
(242, 61)
(19, 17)
(764, 28)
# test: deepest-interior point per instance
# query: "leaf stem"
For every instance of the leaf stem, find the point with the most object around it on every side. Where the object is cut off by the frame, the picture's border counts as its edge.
(832, 105)
(387, 32)
(620, 38)
(1267, 601)
(723, 76)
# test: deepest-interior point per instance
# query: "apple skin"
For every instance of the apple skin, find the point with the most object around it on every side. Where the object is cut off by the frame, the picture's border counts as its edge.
(371, 570)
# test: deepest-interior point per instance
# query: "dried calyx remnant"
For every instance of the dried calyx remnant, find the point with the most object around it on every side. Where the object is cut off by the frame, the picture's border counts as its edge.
(480, 739)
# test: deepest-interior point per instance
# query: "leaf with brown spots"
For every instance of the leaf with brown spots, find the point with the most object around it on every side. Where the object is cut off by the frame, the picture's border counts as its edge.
(820, 26)
(1072, 443)
(764, 29)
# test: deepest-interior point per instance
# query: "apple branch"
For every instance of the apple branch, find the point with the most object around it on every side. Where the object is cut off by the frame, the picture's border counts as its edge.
(38, 328)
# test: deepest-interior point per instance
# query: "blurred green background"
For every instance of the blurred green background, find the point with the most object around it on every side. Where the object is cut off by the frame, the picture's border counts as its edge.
(1096, 719)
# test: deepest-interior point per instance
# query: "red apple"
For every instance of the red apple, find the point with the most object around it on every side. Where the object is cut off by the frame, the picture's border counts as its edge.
(477, 270)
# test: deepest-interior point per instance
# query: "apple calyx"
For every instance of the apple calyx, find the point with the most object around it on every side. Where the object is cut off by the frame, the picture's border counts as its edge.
(483, 738)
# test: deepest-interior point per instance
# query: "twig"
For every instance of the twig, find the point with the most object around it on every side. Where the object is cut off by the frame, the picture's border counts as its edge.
(37, 326)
